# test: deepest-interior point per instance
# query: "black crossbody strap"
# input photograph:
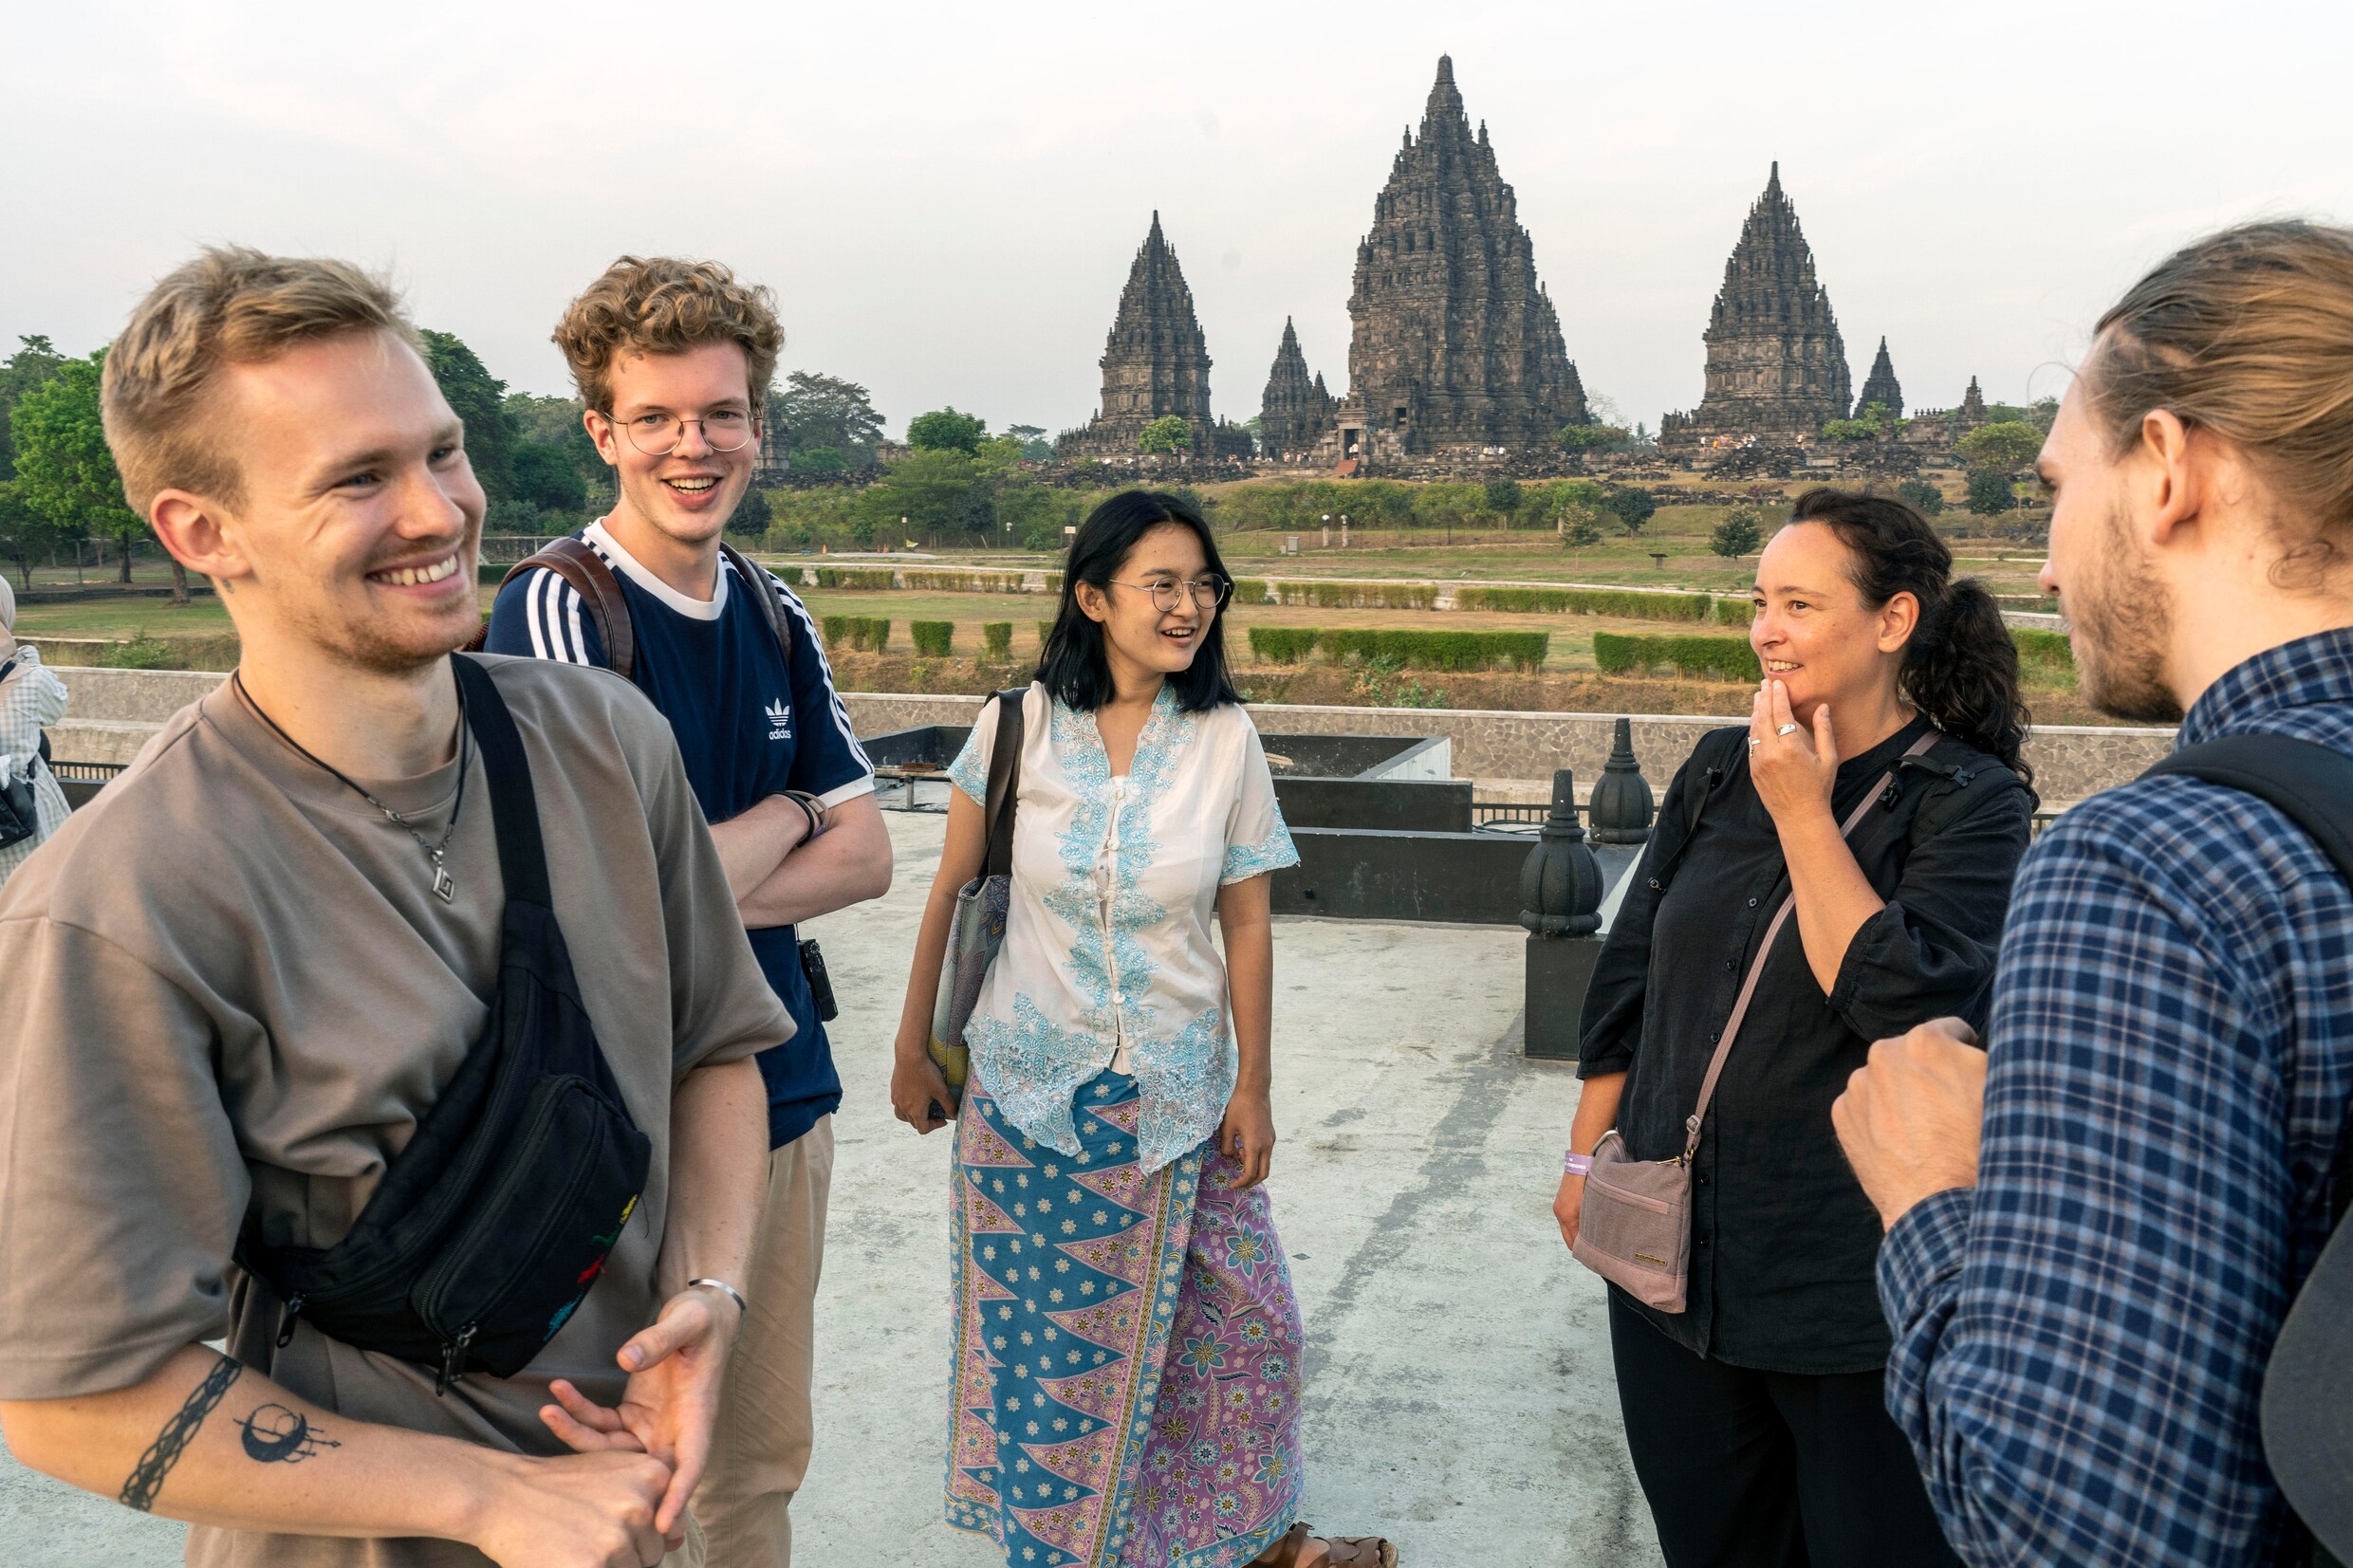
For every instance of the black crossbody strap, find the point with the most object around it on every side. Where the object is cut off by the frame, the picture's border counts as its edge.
(514, 811)
(1004, 782)
(2311, 782)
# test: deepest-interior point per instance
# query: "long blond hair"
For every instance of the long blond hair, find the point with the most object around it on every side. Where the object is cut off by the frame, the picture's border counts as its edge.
(2248, 333)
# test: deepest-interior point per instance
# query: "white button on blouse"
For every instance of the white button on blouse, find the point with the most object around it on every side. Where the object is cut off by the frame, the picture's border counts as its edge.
(1108, 959)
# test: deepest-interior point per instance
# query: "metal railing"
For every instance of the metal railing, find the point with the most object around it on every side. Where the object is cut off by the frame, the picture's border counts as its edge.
(85, 772)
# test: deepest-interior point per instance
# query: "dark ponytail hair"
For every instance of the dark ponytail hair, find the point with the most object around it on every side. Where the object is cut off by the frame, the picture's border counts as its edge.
(1073, 667)
(1961, 667)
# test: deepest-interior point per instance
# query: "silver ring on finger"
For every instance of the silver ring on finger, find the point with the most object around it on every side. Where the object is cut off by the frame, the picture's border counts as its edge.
(1755, 742)
(1786, 729)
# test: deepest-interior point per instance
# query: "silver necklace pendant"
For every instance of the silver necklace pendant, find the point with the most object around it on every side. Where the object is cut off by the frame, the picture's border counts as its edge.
(444, 889)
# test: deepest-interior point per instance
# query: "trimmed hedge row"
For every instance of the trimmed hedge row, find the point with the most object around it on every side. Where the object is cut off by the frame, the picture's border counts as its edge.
(996, 638)
(1701, 657)
(2041, 652)
(1249, 590)
(1406, 650)
(1585, 601)
(933, 638)
(964, 583)
(2044, 655)
(1735, 612)
(868, 578)
(1282, 644)
(861, 633)
(1359, 596)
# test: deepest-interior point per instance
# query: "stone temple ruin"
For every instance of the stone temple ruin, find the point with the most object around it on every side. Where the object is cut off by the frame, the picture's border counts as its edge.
(1882, 387)
(1456, 347)
(1155, 365)
(1456, 356)
(1777, 365)
(1295, 410)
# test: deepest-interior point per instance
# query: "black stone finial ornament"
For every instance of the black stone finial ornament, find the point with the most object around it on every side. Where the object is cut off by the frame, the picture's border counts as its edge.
(1561, 882)
(1622, 806)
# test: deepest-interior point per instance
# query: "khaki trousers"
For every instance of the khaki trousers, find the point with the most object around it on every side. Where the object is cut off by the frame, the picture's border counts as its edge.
(760, 1449)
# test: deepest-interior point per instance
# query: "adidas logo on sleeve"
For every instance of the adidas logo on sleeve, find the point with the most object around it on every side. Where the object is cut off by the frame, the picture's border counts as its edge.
(779, 722)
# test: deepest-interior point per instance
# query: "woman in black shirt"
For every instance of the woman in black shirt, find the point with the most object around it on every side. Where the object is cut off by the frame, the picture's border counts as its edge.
(1755, 1415)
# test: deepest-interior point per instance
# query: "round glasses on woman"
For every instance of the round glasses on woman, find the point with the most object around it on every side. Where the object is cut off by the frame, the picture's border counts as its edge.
(658, 434)
(1206, 593)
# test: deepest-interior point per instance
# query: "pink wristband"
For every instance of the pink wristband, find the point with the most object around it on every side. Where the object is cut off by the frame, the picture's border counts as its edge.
(1576, 1165)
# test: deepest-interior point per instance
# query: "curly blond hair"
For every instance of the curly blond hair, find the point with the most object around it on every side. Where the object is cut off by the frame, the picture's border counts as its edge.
(661, 305)
(232, 306)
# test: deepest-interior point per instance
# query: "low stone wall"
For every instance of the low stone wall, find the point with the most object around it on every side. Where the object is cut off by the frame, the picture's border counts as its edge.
(2069, 761)
(114, 712)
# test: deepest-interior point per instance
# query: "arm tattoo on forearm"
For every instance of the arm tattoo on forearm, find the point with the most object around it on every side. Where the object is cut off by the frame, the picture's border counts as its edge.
(147, 1476)
(275, 1435)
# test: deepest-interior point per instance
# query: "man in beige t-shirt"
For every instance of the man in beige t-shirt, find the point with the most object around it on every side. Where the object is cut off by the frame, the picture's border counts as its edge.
(238, 980)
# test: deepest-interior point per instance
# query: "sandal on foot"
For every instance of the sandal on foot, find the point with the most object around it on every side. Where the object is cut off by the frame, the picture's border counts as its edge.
(1312, 1551)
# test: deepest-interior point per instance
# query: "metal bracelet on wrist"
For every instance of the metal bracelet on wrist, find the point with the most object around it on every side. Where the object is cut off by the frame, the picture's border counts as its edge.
(742, 1307)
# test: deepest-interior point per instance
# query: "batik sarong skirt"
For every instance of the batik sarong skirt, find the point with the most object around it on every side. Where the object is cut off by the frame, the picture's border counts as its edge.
(1126, 1376)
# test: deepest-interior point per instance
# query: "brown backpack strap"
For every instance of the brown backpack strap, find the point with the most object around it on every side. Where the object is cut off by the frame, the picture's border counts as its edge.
(757, 582)
(1763, 949)
(1004, 782)
(588, 575)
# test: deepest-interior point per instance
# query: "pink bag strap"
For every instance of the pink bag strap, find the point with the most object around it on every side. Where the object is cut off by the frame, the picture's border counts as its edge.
(1763, 949)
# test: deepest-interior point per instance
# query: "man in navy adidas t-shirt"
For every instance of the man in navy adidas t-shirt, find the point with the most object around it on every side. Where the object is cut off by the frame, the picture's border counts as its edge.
(672, 358)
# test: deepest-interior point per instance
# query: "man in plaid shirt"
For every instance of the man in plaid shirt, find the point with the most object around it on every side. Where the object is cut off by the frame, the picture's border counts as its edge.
(2096, 1224)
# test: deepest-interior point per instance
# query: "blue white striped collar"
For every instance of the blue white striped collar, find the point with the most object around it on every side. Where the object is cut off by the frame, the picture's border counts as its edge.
(628, 565)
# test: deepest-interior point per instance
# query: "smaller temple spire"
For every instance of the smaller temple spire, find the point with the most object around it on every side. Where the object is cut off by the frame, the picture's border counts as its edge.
(1881, 386)
(1293, 410)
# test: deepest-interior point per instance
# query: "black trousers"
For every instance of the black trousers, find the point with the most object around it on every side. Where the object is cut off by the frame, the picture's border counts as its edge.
(1767, 1469)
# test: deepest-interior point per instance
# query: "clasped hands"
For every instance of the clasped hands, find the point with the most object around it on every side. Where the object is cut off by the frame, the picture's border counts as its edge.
(670, 1404)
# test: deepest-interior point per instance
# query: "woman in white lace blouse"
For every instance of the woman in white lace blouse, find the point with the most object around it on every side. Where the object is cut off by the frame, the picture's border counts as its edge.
(1127, 1374)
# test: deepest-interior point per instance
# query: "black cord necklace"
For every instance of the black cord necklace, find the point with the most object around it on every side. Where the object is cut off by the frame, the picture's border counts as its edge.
(444, 887)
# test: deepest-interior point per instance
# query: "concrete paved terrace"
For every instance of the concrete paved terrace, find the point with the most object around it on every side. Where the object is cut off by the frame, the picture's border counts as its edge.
(1461, 1399)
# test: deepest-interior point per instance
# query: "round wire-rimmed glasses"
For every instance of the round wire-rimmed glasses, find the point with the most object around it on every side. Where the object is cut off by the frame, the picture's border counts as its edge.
(658, 434)
(1208, 593)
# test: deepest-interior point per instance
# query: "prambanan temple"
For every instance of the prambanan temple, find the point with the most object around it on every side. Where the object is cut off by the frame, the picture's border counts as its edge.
(1456, 346)
(1777, 365)
(1455, 352)
(1156, 364)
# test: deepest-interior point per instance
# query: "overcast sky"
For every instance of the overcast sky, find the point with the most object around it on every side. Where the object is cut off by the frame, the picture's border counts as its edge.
(946, 198)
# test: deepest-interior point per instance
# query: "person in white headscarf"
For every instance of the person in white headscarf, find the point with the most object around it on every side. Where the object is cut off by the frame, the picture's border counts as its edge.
(30, 697)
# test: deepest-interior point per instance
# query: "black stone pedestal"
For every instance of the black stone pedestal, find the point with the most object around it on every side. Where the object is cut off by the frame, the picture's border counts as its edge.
(1559, 970)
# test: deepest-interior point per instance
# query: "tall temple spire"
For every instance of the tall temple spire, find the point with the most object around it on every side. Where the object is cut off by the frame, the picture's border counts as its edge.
(1156, 361)
(1881, 386)
(1776, 367)
(1455, 343)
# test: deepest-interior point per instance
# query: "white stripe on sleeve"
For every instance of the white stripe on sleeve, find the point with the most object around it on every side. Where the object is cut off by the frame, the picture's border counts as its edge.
(791, 601)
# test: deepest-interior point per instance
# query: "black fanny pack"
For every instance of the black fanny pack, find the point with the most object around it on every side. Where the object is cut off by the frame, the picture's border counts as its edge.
(493, 1225)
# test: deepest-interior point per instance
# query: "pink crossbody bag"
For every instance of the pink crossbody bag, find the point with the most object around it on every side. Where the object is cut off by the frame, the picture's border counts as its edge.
(1634, 1228)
